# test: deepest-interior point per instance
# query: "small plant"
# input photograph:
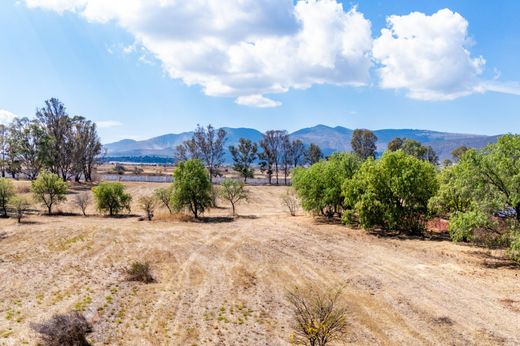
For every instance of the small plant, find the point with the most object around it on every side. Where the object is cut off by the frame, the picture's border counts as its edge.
(6, 193)
(290, 201)
(49, 190)
(64, 329)
(164, 195)
(112, 198)
(82, 200)
(148, 205)
(319, 317)
(233, 191)
(514, 248)
(20, 206)
(140, 271)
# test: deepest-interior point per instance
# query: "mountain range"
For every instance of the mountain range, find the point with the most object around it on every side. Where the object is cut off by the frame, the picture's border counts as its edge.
(330, 139)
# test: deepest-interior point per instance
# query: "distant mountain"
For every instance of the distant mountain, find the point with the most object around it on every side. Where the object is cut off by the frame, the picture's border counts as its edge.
(330, 139)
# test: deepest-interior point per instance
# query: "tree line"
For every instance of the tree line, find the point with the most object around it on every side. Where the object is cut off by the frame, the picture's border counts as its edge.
(276, 154)
(54, 141)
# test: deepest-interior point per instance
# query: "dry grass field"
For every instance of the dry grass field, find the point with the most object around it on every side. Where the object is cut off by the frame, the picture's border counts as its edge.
(222, 282)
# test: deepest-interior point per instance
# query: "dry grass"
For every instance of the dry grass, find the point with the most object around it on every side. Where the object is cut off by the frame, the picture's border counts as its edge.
(223, 283)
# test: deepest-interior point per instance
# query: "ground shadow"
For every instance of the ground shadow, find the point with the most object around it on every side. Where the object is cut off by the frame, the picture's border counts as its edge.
(426, 235)
(249, 217)
(214, 219)
(3, 235)
(496, 262)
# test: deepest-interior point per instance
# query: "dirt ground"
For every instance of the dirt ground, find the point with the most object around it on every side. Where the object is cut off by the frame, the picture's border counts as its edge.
(223, 283)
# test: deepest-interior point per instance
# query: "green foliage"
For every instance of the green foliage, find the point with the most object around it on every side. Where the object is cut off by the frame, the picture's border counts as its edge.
(319, 186)
(19, 205)
(463, 224)
(6, 193)
(164, 196)
(243, 157)
(364, 143)
(313, 154)
(233, 191)
(514, 248)
(49, 190)
(111, 197)
(192, 187)
(392, 192)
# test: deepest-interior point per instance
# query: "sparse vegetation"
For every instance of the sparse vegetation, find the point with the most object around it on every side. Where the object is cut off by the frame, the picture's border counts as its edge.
(19, 205)
(140, 271)
(164, 196)
(49, 190)
(111, 197)
(82, 200)
(6, 193)
(148, 205)
(64, 330)
(319, 317)
(233, 191)
(290, 201)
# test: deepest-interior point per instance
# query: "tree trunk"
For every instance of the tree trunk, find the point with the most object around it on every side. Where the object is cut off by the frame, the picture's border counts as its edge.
(49, 209)
(233, 207)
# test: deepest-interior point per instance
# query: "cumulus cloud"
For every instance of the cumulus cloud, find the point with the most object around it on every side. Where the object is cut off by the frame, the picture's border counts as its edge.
(244, 49)
(104, 124)
(428, 56)
(6, 117)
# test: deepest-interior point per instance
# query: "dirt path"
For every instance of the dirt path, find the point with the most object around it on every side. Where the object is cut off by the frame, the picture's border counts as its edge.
(223, 283)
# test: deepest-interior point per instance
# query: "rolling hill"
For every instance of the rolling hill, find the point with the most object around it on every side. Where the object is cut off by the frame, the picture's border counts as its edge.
(330, 139)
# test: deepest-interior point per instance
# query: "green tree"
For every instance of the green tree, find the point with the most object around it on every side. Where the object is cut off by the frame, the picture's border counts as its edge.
(164, 195)
(233, 191)
(458, 152)
(393, 192)
(19, 205)
(395, 144)
(313, 154)
(6, 193)
(111, 197)
(319, 186)
(244, 155)
(192, 187)
(364, 143)
(49, 190)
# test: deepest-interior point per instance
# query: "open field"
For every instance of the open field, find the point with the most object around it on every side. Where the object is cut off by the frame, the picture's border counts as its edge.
(222, 282)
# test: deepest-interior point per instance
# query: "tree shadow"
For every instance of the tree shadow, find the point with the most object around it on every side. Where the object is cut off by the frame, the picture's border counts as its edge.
(248, 217)
(496, 262)
(323, 220)
(214, 219)
(399, 235)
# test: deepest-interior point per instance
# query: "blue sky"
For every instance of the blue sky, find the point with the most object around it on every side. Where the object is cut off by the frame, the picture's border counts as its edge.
(129, 70)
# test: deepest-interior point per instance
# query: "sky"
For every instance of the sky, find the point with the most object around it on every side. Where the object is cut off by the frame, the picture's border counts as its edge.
(143, 68)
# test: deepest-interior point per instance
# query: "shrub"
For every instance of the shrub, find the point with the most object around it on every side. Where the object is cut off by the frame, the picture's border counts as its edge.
(49, 189)
(164, 196)
(6, 193)
(463, 224)
(192, 187)
(19, 205)
(233, 191)
(64, 329)
(82, 201)
(393, 192)
(318, 317)
(148, 205)
(290, 201)
(319, 186)
(111, 197)
(514, 248)
(140, 271)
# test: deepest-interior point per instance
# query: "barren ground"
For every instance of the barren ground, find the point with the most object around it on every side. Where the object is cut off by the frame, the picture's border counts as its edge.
(223, 283)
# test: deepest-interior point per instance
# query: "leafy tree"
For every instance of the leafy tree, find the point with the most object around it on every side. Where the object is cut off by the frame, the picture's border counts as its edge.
(393, 192)
(192, 187)
(313, 154)
(416, 149)
(111, 197)
(463, 224)
(233, 191)
(395, 144)
(364, 143)
(6, 193)
(164, 195)
(271, 144)
(148, 205)
(49, 190)
(458, 152)
(244, 155)
(319, 186)
(19, 205)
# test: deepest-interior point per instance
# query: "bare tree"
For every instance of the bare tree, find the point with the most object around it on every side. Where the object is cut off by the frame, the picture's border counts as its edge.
(148, 205)
(297, 153)
(290, 201)
(286, 156)
(243, 157)
(164, 195)
(319, 316)
(82, 200)
(271, 144)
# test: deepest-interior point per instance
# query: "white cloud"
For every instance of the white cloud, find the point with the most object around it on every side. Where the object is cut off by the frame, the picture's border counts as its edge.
(104, 124)
(244, 49)
(428, 56)
(257, 101)
(6, 117)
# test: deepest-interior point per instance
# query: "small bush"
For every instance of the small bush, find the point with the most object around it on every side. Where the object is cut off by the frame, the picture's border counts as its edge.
(318, 317)
(233, 191)
(64, 330)
(19, 205)
(463, 225)
(82, 201)
(514, 248)
(49, 189)
(290, 201)
(6, 193)
(112, 198)
(148, 205)
(140, 271)
(164, 196)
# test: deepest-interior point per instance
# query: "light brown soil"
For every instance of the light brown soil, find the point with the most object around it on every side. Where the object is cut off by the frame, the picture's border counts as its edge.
(223, 283)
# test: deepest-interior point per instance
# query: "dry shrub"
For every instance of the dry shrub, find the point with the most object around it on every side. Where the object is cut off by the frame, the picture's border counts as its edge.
(318, 316)
(290, 201)
(140, 271)
(64, 330)
(82, 200)
(23, 188)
